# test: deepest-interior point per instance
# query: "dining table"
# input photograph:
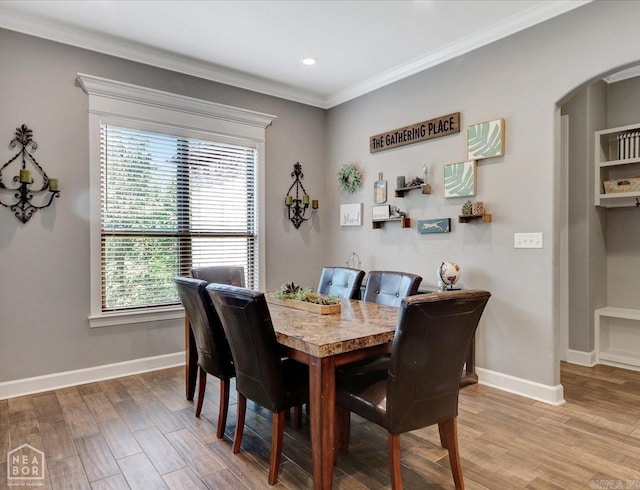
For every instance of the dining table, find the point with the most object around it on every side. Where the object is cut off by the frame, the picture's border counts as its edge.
(324, 342)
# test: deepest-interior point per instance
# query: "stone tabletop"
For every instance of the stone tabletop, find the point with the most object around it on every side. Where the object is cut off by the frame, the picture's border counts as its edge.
(358, 325)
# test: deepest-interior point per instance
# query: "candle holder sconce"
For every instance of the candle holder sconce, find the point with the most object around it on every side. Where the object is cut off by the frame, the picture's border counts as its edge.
(19, 199)
(298, 206)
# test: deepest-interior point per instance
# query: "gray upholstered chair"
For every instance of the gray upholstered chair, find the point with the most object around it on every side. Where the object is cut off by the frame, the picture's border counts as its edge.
(214, 355)
(341, 282)
(390, 287)
(220, 274)
(261, 374)
(421, 385)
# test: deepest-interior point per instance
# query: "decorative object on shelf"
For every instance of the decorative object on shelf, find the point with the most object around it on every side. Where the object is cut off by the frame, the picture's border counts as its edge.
(628, 145)
(349, 178)
(400, 181)
(467, 208)
(351, 214)
(30, 184)
(477, 208)
(440, 225)
(422, 131)
(381, 212)
(485, 140)
(460, 179)
(380, 190)
(426, 187)
(449, 273)
(353, 261)
(631, 184)
(297, 207)
(396, 212)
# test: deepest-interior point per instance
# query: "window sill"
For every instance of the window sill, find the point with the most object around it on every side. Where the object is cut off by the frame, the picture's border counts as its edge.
(138, 316)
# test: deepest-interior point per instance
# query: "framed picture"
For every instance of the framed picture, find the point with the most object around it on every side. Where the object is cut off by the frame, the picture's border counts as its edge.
(381, 212)
(351, 214)
(440, 225)
(485, 140)
(460, 179)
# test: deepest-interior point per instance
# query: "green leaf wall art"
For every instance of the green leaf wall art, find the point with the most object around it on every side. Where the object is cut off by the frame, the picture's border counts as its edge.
(460, 179)
(485, 140)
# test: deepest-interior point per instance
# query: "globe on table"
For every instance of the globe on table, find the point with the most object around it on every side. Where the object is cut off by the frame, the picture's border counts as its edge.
(448, 274)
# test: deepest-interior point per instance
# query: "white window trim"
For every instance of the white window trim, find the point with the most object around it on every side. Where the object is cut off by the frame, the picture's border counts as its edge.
(111, 100)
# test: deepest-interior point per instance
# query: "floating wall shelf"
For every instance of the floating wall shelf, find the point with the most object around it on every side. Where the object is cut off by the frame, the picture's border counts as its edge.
(466, 218)
(400, 191)
(404, 222)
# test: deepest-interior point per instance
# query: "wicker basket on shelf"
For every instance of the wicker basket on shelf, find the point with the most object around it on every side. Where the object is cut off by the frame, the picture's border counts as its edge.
(631, 184)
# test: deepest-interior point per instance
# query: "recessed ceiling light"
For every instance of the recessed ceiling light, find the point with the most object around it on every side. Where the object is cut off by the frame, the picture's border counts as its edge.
(309, 61)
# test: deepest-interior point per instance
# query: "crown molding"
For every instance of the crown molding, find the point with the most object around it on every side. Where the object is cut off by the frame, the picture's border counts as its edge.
(514, 24)
(632, 72)
(165, 59)
(147, 55)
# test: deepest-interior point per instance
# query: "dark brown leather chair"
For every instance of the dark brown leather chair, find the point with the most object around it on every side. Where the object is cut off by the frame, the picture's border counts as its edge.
(421, 386)
(341, 282)
(389, 287)
(214, 355)
(220, 274)
(261, 375)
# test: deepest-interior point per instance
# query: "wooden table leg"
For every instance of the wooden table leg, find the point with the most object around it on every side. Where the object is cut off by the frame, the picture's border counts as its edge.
(191, 359)
(322, 394)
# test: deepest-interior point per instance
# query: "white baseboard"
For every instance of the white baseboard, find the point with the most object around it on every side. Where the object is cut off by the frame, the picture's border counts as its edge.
(582, 358)
(37, 384)
(553, 395)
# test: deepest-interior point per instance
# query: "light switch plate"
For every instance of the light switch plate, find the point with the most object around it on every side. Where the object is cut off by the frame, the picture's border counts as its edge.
(527, 240)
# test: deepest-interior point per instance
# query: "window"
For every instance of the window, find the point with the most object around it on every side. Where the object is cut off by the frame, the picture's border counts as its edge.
(170, 203)
(175, 182)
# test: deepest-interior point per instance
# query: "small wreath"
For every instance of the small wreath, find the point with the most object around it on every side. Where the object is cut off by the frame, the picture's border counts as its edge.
(349, 178)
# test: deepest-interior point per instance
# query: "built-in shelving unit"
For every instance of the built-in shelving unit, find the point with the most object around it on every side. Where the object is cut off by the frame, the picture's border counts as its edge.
(401, 191)
(609, 165)
(615, 345)
(404, 222)
(466, 218)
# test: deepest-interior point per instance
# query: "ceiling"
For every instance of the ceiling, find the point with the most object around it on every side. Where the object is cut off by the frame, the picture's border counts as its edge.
(258, 45)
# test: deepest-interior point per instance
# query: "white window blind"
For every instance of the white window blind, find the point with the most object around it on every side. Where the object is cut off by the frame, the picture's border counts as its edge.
(169, 203)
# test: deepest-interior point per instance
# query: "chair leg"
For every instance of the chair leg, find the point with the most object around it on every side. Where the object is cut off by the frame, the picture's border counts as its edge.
(297, 415)
(224, 408)
(242, 410)
(450, 429)
(345, 429)
(443, 440)
(202, 374)
(277, 431)
(394, 461)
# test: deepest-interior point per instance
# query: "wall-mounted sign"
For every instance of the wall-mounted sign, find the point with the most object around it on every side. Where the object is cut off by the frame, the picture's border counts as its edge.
(422, 131)
(351, 214)
(381, 212)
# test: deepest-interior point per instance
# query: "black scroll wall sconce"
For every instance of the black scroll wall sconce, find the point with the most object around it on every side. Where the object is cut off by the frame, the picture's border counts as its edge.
(31, 182)
(298, 206)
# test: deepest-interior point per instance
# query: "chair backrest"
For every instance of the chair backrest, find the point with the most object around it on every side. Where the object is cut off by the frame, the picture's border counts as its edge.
(220, 274)
(214, 355)
(432, 339)
(247, 323)
(389, 287)
(341, 282)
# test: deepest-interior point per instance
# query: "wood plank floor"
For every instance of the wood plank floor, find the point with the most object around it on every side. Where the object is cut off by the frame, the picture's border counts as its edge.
(139, 432)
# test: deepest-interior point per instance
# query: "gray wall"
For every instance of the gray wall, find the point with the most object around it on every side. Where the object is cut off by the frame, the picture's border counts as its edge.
(523, 79)
(623, 225)
(44, 264)
(587, 224)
